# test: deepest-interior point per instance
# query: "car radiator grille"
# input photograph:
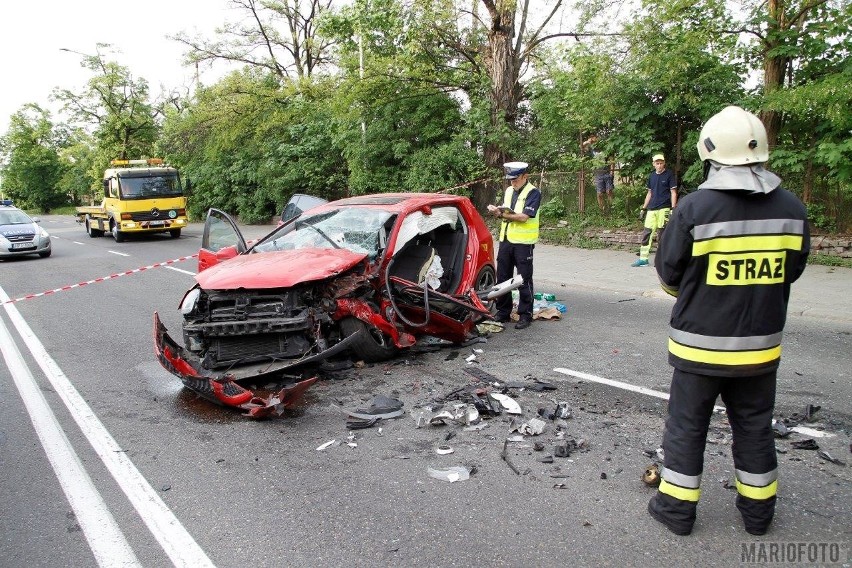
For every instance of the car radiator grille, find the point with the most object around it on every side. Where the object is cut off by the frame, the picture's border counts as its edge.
(224, 351)
(20, 237)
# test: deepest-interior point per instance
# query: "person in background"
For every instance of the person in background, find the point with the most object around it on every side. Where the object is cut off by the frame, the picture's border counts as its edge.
(729, 255)
(660, 199)
(603, 174)
(519, 214)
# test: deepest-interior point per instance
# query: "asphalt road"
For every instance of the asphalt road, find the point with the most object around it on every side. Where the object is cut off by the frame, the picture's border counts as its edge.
(190, 484)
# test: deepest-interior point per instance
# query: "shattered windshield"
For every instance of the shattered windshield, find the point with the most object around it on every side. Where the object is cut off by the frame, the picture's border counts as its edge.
(354, 228)
(160, 185)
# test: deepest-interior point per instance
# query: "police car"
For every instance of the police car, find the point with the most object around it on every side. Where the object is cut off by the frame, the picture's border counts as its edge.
(20, 234)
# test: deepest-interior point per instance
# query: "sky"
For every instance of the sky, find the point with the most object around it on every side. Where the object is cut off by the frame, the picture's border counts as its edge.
(33, 33)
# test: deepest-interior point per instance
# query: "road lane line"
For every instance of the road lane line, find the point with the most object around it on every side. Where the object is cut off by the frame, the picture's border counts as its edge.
(77, 242)
(118, 253)
(176, 541)
(102, 533)
(180, 270)
(805, 431)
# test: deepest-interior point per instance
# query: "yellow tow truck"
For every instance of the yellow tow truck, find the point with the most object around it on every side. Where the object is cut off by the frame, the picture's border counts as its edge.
(140, 196)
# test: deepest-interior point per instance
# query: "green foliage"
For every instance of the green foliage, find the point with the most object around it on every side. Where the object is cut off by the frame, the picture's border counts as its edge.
(553, 209)
(31, 167)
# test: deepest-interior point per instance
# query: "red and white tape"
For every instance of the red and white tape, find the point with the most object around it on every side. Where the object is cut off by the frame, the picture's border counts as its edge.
(102, 279)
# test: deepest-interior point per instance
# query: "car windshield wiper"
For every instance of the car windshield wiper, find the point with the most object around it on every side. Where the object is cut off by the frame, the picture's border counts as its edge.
(322, 234)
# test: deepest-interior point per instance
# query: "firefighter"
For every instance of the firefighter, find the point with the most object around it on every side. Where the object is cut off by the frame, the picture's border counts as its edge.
(729, 255)
(518, 235)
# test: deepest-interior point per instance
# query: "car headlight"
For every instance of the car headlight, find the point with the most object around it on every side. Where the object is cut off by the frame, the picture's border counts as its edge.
(43, 234)
(187, 305)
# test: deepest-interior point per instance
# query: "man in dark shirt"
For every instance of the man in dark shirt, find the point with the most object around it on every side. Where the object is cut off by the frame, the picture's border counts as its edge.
(660, 199)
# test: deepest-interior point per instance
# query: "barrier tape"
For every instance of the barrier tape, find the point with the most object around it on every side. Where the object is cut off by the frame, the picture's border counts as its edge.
(102, 279)
(467, 184)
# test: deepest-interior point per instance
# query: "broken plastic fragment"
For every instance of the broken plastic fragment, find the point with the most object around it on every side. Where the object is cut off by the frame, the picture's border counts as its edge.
(780, 429)
(829, 458)
(470, 358)
(807, 444)
(508, 403)
(533, 427)
(451, 474)
(326, 445)
(443, 450)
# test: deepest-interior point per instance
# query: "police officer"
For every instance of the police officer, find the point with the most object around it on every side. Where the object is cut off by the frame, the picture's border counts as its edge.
(518, 235)
(729, 254)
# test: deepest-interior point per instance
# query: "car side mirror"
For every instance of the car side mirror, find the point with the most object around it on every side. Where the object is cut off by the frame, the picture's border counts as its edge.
(227, 252)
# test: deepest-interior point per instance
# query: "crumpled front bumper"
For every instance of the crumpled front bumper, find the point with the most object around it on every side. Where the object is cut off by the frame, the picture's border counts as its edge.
(223, 389)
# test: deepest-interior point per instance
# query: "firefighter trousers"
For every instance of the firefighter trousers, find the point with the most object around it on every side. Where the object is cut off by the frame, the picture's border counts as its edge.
(749, 402)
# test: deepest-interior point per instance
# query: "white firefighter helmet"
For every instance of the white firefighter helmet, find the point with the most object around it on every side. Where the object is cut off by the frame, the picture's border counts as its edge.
(733, 137)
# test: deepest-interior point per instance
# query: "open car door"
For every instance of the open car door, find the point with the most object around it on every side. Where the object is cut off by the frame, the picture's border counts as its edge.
(221, 240)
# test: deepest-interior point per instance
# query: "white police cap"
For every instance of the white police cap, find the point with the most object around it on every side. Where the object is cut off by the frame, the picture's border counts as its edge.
(514, 169)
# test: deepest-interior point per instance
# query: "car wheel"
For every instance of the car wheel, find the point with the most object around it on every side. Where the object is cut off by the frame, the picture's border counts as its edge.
(175, 233)
(116, 234)
(372, 345)
(45, 254)
(485, 280)
(93, 233)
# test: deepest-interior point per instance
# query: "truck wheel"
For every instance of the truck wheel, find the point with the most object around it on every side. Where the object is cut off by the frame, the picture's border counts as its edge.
(175, 233)
(93, 233)
(116, 234)
(372, 345)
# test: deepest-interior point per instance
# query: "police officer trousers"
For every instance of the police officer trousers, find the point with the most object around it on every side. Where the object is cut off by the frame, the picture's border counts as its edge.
(749, 402)
(511, 256)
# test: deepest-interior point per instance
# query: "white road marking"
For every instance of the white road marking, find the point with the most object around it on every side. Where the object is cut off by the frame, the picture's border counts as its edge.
(178, 544)
(180, 270)
(77, 242)
(102, 533)
(118, 253)
(665, 396)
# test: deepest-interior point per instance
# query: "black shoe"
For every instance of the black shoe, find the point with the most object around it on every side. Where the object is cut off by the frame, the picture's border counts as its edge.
(523, 323)
(501, 318)
(679, 529)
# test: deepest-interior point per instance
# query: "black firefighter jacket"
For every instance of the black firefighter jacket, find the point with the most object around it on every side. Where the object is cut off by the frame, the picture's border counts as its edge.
(730, 256)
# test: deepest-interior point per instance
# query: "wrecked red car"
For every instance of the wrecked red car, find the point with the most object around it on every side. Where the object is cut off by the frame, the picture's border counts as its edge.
(364, 276)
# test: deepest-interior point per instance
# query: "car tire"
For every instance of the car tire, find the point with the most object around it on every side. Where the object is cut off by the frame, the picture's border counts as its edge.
(93, 233)
(45, 254)
(372, 345)
(175, 233)
(116, 234)
(485, 280)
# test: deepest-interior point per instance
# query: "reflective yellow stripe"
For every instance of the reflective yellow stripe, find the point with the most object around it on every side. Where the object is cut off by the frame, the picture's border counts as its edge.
(742, 244)
(724, 357)
(670, 290)
(680, 492)
(759, 493)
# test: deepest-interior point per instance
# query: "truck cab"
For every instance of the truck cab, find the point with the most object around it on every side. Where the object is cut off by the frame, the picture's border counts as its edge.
(140, 196)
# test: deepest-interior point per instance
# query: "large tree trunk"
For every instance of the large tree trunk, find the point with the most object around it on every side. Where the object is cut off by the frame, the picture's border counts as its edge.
(501, 62)
(774, 67)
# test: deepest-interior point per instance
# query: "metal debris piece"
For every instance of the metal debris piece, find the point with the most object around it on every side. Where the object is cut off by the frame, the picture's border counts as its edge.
(780, 429)
(532, 427)
(651, 476)
(327, 444)
(451, 474)
(807, 444)
(505, 456)
(829, 458)
(546, 459)
(509, 404)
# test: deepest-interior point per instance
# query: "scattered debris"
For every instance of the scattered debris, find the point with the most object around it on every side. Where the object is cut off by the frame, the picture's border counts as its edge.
(807, 444)
(509, 404)
(829, 458)
(505, 456)
(488, 327)
(380, 407)
(327, 444)
(780, 429)
(728, 485)
(451, 474)
(480, 374)
(532, 427)
(651, 476)
(560, 486)
(546, 459)
(360, 423)
(443, 450)
(603, 475)
(451, 355)
(471, 358)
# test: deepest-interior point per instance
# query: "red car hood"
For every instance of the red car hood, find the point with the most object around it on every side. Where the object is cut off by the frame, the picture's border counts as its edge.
(278, 269)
